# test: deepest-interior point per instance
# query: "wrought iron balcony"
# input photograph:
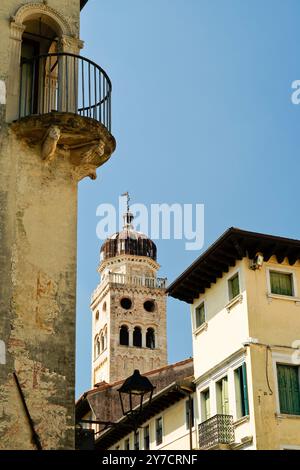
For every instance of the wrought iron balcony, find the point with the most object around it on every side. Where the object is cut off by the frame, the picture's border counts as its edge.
(215, 431)
(65, 83)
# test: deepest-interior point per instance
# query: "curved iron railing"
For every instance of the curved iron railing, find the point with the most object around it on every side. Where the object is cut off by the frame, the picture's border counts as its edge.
(67, 83)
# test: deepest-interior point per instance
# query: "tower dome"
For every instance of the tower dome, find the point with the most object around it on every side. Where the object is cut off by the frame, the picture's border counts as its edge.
(128, 242)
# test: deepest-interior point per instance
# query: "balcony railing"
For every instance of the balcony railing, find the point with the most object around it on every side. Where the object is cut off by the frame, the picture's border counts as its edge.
(136, 281)
(139, 281)
(66, 83)
(215, 431)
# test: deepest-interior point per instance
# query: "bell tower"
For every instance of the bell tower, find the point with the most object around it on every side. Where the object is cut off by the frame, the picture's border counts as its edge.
(128, 308)
(55, 129)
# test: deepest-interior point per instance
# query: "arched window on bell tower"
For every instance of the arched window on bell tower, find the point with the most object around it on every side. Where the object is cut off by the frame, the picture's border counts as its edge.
(150, 338)
(124, 335)
(137, 337)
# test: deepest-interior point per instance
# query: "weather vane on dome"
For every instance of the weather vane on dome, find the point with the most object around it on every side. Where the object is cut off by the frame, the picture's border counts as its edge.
(128, 216)
(128, 199)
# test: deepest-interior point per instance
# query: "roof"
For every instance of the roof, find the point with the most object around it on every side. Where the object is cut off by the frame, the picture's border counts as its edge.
(233, 245)
(105, 386)
(104, 399)
(162, 400)
(83, 3)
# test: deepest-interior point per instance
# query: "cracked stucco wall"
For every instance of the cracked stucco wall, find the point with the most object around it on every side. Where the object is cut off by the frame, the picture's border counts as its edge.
(38, 224)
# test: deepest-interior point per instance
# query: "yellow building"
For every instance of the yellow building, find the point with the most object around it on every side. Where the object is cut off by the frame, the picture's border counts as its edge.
(244, 293)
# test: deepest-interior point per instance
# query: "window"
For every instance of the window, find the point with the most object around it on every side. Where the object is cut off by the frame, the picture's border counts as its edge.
(124, 335)
(137, 337)
(288, 388)
(200, 315)
(147, 438)
(159, 431)
(234, 286)
(205, 404)
(126, 303)
(222, 396)
(149, 306)
(241, 391)
(137, 440)
(102, 341)
(104, 307)
(98, 347)
(281, 283)
(189, 411)
(127, 444)
(150, 338)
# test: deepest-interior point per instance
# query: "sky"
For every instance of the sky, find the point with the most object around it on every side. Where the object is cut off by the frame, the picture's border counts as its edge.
(202, 114)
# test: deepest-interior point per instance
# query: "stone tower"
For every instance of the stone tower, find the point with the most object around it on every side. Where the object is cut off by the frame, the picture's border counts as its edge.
(128, 308)
(54, 131)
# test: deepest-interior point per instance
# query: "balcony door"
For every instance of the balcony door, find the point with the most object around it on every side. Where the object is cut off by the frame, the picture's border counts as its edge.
(29, 77)
(222, 396)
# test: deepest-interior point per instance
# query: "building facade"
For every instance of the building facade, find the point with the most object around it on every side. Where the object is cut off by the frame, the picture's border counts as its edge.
(128, 308)
(164, 424)
(51, 137)
(244, 297)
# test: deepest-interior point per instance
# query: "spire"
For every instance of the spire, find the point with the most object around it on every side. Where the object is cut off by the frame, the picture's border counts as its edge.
(128, 216)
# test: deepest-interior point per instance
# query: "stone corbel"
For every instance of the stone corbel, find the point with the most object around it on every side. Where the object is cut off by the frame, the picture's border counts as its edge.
(49, 143)
(82, 171)
(87, 152)
(86, 157)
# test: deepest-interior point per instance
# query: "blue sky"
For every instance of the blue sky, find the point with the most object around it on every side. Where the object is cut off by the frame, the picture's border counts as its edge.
(202, 113)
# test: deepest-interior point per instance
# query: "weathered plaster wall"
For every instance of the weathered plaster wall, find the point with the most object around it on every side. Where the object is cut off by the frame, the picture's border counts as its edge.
(38, 289)
(38, 208)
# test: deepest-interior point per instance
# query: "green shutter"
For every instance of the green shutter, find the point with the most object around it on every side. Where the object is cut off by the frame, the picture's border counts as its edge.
(245, 390)
(281, 283)
(200, 315)
(225, 400)
(234, 286)
(288, 386)
(206, 399)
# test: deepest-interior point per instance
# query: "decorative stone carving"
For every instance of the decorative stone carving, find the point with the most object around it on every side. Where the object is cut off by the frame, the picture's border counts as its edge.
(88, 151)
(70, 44)
(43, 9)
(50, 143)
(82, 171)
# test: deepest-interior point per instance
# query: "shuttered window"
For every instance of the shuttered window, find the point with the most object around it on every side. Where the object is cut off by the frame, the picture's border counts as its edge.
(222, 396)
(147, 438)
(159, 431)
(289, 390)
(189, 404)
(241, 391)
(205, 401)
(234, 286)
(200, 315)
(281, 283)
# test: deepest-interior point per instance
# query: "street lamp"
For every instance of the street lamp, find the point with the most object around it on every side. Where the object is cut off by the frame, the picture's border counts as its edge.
(135, 388)
(132, 393)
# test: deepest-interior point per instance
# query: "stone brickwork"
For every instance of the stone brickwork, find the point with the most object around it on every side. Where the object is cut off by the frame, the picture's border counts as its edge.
(118, 361)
